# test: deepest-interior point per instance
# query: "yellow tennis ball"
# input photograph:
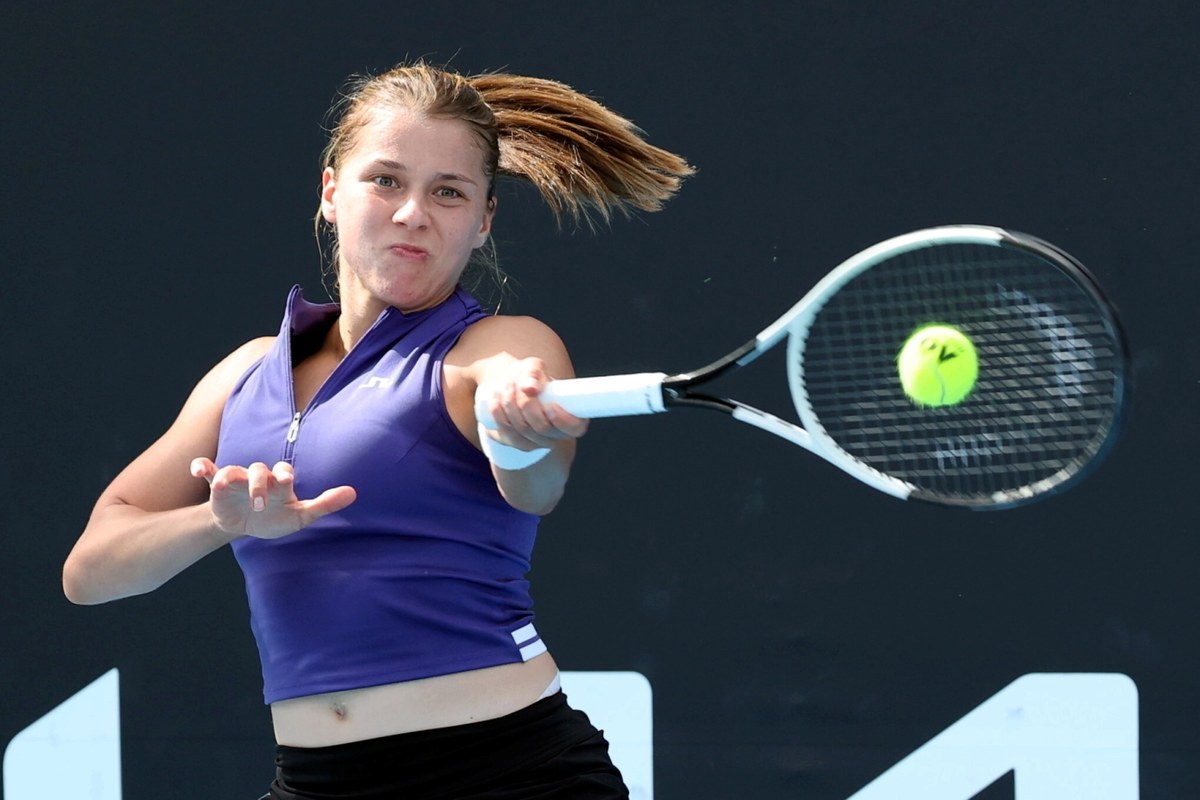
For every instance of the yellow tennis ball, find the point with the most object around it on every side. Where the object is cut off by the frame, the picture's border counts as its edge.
(938, 366)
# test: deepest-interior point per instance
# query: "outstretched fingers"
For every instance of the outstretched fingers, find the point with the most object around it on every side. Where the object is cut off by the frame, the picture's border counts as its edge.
(261, 501)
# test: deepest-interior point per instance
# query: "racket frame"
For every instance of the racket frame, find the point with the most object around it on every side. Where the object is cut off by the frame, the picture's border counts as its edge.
(656, 392)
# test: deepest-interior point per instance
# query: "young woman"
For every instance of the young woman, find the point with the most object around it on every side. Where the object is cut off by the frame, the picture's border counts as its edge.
(383, 534)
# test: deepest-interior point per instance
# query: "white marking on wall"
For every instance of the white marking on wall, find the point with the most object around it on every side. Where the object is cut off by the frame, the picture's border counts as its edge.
(74, 751)
(620, 704)
(1064, 737)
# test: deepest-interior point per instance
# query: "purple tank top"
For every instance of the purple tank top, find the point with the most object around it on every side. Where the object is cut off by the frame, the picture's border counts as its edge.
(424, 574)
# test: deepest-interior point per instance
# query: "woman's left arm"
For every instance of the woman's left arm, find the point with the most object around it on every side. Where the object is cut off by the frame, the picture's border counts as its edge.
(514, 357)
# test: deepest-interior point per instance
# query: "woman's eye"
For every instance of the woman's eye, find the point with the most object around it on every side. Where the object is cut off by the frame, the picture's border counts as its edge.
(386, 181)
(449, 193)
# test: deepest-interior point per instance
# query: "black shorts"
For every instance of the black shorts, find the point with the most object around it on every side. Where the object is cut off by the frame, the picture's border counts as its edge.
(547, 751)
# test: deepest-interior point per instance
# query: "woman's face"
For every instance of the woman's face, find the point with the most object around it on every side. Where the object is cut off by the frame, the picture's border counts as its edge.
(410, 203)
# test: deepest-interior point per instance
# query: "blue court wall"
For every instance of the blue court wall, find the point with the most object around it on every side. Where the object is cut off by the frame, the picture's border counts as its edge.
(801, 634)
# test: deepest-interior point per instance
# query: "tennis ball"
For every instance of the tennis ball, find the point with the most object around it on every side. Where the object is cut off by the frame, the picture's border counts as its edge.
(938, 366)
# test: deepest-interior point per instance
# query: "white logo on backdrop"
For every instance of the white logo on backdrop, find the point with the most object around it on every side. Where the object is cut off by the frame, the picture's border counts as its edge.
(1063, 736)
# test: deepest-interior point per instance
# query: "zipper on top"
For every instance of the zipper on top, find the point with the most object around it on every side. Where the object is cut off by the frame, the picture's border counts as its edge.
(289, 443)
(293, 432)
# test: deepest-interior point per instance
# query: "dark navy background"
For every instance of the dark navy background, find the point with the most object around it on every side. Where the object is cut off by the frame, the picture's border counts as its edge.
(801, 632)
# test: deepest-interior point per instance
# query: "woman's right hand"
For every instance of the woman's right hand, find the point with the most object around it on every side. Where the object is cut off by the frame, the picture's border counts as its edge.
(261, 501)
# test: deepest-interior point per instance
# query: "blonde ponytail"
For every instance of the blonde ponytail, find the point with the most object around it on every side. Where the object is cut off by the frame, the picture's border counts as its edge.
(585, 160)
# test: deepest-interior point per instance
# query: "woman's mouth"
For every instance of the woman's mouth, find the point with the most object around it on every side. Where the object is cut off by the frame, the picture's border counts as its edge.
(411, 252)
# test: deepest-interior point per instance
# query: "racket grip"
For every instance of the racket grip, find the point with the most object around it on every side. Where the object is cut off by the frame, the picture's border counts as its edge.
(606, 396)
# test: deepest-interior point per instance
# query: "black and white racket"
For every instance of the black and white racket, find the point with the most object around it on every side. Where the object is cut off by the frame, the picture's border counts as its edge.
(1044, 408)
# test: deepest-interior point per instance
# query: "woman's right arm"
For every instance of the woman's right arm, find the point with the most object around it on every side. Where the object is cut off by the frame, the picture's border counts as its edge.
(154, 520)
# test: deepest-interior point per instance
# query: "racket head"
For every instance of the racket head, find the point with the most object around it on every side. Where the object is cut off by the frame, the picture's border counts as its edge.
(1051, 390)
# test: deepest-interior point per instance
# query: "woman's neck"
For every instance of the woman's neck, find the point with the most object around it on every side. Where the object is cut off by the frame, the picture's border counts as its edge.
(359, 311)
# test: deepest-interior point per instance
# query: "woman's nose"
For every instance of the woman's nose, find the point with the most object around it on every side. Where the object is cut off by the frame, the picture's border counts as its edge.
(411, 212)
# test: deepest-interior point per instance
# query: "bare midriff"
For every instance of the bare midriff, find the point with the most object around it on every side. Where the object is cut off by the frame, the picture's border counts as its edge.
(355, 715)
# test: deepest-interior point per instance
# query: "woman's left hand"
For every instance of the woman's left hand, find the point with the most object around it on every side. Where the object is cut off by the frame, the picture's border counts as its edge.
(512, 395)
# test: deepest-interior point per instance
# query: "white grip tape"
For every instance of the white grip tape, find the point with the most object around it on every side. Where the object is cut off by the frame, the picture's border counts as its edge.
(506, 456)
(589, 398)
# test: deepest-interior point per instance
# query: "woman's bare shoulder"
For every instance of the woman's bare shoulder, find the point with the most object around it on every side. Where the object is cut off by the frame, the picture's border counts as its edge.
(518, 336)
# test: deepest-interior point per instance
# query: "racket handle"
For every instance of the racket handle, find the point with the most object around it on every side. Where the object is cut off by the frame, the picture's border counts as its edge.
(607, 396)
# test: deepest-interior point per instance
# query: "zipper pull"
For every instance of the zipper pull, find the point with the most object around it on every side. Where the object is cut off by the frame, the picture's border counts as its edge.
(294, 428)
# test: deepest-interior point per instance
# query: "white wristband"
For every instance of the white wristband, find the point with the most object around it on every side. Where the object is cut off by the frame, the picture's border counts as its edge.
(506, 456)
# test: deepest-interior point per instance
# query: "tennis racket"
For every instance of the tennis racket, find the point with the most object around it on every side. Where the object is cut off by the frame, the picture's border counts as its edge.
(1044, 409)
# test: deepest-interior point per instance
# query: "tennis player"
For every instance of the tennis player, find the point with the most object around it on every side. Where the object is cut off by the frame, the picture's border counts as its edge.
(384, 536)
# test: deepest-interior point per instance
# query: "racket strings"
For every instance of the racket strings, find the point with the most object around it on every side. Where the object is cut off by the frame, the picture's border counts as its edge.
(1049, 381)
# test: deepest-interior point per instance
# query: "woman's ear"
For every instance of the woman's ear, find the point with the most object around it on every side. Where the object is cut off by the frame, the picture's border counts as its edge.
(485, 230)
(328, 193)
